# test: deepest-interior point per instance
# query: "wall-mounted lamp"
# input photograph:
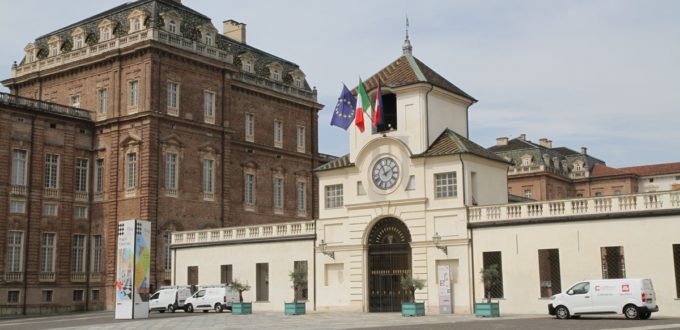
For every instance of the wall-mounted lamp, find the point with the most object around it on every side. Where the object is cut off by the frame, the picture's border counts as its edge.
(437, 240)
(322, 248)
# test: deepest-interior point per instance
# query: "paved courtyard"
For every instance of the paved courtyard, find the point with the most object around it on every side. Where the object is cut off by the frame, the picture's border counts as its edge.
(326, 320)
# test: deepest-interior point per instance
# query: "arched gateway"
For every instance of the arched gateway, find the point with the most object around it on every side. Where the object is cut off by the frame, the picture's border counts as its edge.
(389, 258)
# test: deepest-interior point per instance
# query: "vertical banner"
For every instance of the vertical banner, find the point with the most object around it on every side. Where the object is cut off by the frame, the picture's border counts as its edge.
(133, 269)
(445, 294)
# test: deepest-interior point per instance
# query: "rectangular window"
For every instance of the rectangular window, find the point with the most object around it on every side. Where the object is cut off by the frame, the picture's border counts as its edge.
(50, 209)
(19, 167)
(301, 266)
(209, 106)
(167, 252)
(192, 275)
(301, 197)
(80, 212)
(170, 171)
(334, 197)
(527, 193)
(99, 176)
(493, 260)
(262, 282)
(47, 295)
(96, 253)
(13, 296)
(133, 87)
(278, 193)
(208, 168)
(131, 182)
(75, 101)
(172, 95)
(300, 139)
(226, 273)
(47, 244)
(676, 264)
(613, 265)
(445, 185)
(51, 171)
(17, 206)
(95, 294)
(15, 241)
(81, 175)
(103, 97)
(549, 272)
(78, 254)
(250, 127)
(278, 134)
(250, 189)
(77, 295)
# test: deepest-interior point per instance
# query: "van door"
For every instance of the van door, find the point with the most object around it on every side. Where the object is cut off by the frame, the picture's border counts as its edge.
(153, 301)
(199, 297)
(578, 298)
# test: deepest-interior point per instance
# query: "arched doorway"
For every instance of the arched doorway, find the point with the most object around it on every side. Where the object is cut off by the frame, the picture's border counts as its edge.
(389, 259)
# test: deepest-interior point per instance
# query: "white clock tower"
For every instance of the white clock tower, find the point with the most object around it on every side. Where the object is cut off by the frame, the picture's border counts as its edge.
(395, 206)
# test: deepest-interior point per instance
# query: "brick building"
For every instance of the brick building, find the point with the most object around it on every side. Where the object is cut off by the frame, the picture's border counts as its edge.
(166, 120)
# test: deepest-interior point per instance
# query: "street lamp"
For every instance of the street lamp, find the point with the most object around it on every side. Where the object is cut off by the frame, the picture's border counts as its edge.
(322, 248)
(437, 240)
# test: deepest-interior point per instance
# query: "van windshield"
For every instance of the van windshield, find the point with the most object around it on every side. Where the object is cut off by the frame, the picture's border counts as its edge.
(581, 288)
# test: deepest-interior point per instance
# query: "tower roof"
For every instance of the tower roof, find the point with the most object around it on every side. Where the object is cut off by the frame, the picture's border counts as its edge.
(408, 70)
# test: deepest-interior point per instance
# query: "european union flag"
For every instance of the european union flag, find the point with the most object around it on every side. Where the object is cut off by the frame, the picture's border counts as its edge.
(344, 110)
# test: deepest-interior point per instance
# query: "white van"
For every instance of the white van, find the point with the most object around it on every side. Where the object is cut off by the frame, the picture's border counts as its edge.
(169, 298)
(633, 298)
(216, 297)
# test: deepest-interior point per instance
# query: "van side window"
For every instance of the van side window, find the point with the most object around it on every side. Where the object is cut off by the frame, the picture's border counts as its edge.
(581, 288)
(200, 293)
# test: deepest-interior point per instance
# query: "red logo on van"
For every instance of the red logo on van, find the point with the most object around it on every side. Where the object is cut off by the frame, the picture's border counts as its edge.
(625, 288)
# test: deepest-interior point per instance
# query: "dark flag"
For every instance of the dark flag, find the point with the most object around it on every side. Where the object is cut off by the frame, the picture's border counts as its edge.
(344, 110)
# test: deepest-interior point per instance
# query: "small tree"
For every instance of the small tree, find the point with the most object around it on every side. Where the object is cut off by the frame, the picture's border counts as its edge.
(410, 285)
(240, 287)
(490, 277)
(299, 279)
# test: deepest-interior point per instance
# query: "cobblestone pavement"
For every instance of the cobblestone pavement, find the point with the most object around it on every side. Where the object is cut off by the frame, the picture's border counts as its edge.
(325, 320)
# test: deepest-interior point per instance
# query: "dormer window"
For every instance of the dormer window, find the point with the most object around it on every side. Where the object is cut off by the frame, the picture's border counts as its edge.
(106, 34)
(29, 50)
(578, 166)
(248, 66)
(208, 40)
(137, 24)
(275, 70)
(136, 19)
(247, 62)
(54, 44)
(54, 50)
(78, 42)
(297, 82)
(172, 26)
(526, 160)
(276, 75)
(173, 21)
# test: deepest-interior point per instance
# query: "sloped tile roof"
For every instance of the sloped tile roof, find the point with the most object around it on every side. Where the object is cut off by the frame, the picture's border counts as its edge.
(654, 169)
(339, 162)
(452, 143)
(408, 70)
(601, 170)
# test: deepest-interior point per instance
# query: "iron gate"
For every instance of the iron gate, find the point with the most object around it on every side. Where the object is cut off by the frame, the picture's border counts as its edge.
(389, 259)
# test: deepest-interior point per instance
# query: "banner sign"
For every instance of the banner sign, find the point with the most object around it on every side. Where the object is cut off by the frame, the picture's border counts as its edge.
(133, 269)
(445, 294)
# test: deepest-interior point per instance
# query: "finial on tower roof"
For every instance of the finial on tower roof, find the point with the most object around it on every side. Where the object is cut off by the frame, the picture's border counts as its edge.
(407, 48)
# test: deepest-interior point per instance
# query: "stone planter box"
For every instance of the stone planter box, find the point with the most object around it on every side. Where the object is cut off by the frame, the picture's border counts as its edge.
(241, 308)
(295, 308)
(412, 309)
(487, 309)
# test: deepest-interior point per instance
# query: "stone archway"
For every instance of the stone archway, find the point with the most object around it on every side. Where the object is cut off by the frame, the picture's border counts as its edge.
(389, 259)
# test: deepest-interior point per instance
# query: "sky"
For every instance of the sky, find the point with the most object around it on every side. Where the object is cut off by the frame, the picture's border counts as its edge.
(600, 74)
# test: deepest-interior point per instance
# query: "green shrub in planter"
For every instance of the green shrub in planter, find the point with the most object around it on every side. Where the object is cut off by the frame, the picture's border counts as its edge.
(299, 279)
(490, 277)
(411, 307)
(241, 307)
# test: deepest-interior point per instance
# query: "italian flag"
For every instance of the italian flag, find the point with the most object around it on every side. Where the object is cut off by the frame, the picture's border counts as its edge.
(363, 105)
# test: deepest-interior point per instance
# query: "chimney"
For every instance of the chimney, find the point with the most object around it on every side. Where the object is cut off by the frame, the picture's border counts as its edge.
(502, 141)
(234, 30)
(584, 150)
(544, 142)
(523, 137)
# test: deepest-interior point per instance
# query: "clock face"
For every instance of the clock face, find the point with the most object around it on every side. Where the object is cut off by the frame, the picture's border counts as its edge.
(385, 173)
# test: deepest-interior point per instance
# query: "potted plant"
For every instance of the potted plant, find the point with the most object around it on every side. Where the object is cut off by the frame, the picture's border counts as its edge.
(299, 279)
(411, 307)
(241, 308)
(491, 277)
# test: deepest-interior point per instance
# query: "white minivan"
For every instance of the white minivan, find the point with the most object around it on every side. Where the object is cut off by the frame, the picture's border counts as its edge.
(169, 298)
(633, 298)
(216, 297)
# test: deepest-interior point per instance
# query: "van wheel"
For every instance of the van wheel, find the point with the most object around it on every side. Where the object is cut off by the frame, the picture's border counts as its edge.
(219, 308)
(189, 308)
(562, 313)
(171, 308)
(631, 312)
(645, 315)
